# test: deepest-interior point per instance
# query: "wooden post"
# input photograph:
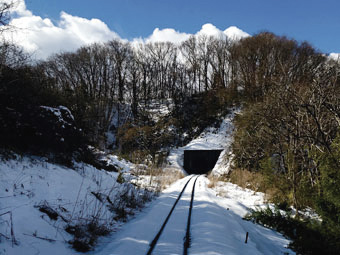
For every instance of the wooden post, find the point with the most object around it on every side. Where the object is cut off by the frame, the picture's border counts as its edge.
(14, 242)
(246, 237)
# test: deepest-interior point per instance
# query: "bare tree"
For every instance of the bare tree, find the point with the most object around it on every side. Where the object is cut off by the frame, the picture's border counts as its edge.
(189, 50)
(5, 8)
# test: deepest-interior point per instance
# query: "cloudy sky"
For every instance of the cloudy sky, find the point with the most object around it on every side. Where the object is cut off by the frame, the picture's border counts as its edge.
(48, 26)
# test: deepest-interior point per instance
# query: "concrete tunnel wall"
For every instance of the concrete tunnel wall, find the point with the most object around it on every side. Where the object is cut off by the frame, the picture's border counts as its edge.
(200, 161)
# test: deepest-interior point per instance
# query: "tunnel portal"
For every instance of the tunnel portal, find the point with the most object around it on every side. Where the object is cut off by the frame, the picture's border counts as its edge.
(200, 161)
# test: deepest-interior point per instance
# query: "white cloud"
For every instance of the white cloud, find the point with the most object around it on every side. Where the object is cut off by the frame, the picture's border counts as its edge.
(87, 31)
(235, 33)
(171, 35)
(232, 32)
(210, 30)
(41, 37)
(167, 35)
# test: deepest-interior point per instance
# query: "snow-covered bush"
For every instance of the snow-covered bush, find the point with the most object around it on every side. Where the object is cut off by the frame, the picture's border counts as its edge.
(101, 210)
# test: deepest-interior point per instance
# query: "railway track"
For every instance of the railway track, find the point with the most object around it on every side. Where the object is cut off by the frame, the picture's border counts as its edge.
(187, 237)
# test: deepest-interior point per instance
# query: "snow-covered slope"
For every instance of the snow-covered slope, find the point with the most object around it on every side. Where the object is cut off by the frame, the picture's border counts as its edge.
(28, 184)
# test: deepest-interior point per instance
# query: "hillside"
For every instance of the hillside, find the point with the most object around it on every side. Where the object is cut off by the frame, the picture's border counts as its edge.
(48, 208)
(46, 203)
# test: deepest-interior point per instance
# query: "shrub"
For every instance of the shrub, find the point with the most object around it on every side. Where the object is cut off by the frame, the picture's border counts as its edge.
(86, 234)
(32, 119)
(248, 179)
(98, 217)
(308, 236)
(120, 178)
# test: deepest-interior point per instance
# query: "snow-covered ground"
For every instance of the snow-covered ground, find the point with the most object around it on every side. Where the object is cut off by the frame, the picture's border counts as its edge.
(210, 139)
(27, 184)
(217, 225)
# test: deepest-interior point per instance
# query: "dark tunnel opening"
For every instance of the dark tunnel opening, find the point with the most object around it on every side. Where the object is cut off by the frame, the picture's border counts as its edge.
(200, 161)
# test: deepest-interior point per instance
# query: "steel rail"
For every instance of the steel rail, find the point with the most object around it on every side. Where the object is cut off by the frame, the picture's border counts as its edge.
(187, 238)
(155, 240)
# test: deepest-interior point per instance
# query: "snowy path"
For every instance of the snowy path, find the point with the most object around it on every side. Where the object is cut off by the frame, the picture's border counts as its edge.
(135, 236)
(216, 227)
(172, 238)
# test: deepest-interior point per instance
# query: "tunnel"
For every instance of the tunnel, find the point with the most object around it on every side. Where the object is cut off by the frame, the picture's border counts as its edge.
(200, 161)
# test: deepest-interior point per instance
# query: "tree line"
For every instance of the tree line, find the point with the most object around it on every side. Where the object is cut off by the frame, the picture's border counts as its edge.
(289, 128)
(102, 78)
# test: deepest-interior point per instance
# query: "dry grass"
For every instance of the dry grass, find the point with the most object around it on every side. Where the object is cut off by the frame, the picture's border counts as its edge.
(169, 176)
(213, 180)
(99, 212)
(247, 179)
(159, 178)
(254, 181)
(242, 178)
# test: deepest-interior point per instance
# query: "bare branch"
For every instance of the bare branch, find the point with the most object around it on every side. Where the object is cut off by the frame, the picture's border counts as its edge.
(5, 8)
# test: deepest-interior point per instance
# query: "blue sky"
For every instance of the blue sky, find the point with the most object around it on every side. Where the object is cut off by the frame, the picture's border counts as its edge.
(46, 27)
(315, 21)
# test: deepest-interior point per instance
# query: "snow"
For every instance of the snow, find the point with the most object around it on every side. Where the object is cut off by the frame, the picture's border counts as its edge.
(159, 108)
(122, 165)
(245, 198)
(220, 229)
(217, 225)
(210, 139)
(334, 56)
(57, 112)
(27, 182)
(121, 116)
(134, 237)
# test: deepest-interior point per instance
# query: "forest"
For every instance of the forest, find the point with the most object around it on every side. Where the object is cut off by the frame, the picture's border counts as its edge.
(288, 93)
